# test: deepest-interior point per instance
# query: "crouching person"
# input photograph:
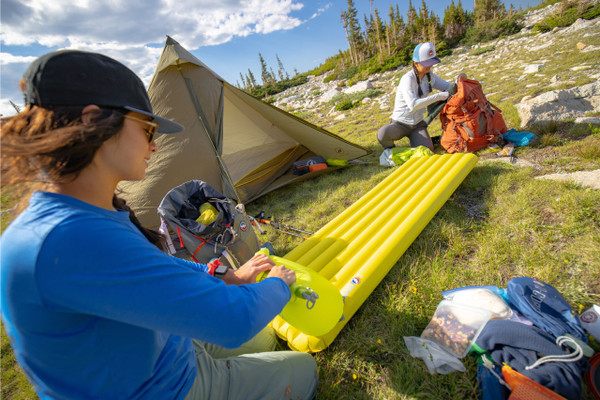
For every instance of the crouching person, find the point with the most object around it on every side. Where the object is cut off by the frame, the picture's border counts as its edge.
(413, 95)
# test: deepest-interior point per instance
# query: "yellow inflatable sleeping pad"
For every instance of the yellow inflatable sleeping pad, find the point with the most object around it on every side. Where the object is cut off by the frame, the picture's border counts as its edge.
(357, 248)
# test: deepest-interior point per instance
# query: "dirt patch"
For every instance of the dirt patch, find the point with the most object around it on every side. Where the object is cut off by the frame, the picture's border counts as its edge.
(584, 178)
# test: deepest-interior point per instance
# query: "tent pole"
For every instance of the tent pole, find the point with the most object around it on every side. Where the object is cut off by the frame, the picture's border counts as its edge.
(204, 123)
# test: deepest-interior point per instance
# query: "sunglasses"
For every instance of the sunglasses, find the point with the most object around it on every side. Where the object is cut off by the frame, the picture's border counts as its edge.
(151, 129)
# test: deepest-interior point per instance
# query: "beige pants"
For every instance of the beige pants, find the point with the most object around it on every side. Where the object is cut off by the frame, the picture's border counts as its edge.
(253, 371)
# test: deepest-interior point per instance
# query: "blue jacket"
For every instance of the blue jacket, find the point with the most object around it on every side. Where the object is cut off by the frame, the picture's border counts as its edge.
(94, 310)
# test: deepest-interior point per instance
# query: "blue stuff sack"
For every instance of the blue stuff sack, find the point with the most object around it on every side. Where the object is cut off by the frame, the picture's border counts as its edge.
(519, 138)
(543, 305)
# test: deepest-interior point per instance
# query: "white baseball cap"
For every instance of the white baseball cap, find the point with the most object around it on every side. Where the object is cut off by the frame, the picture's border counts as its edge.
(424, 54)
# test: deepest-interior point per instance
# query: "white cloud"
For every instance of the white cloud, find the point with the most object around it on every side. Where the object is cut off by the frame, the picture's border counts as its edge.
(6, 58)
(320, 11)
(7, 109)
(130, 31)
(61, 23)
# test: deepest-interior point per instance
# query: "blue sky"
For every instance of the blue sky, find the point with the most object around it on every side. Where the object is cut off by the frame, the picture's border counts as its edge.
(226, 35)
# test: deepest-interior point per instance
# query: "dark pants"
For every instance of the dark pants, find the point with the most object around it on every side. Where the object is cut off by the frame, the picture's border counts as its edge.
(417, 134)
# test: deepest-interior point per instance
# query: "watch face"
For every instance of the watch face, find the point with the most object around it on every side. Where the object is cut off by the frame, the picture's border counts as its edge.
(221, 270)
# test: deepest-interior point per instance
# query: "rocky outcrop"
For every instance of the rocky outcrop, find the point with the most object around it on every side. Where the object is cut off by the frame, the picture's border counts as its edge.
(359, 87)
(560, 105)
(499, 61)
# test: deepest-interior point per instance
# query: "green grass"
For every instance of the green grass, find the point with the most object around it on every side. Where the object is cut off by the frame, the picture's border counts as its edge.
(482, 50)
(500, 223)
(14, 383)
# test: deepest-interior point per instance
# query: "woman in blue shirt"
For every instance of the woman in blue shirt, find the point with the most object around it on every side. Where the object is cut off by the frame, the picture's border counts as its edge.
(92, 305)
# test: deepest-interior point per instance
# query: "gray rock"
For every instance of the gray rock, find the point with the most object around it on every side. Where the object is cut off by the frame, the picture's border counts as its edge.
(533, 68)
(359, 87)
(587, 120)
(559, 105)
(328, 95)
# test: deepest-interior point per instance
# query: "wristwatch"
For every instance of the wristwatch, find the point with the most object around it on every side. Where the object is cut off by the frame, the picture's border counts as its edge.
(216, 269)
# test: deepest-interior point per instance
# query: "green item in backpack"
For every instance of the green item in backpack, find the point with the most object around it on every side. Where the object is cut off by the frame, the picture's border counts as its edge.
(400, 155)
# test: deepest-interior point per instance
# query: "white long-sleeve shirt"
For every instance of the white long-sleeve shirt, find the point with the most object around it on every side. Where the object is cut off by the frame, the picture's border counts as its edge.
(408, 107)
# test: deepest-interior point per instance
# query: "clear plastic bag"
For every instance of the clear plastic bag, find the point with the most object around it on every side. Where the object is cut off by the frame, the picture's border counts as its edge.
(436, 358)
(455, 327)
(481, 297)
(385, 159)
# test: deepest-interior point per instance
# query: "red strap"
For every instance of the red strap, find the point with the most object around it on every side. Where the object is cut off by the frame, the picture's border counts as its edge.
(179, 233)
(199, 247)
(212, 266)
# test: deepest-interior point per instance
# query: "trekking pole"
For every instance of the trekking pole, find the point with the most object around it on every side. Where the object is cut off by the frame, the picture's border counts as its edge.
(290, 230)
(257, 225)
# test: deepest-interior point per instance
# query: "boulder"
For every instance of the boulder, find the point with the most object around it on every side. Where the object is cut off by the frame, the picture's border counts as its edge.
(588, 120)
(532, 68)
(560, 105)
(328, 95)
(359, 87)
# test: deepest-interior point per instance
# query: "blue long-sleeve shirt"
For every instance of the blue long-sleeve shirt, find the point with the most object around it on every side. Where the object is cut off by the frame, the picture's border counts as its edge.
(94, 310)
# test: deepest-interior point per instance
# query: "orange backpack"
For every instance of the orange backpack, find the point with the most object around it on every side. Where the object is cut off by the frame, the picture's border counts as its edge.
(470, 122)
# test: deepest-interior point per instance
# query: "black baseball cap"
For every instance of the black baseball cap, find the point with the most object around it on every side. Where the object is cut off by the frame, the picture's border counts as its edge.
(74, 77)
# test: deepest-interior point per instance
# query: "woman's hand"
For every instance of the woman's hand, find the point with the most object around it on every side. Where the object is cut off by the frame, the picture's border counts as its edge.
(248, 272)
(279, 271)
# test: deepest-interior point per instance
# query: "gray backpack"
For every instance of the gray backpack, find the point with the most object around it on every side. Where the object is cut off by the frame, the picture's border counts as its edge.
(230, 237)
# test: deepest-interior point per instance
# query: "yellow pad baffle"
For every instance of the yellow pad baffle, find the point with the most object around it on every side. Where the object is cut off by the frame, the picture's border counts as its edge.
(356, 250)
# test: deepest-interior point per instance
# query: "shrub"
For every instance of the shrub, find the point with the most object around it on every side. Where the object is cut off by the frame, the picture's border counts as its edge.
(567, 13)
(329, 78)
(442, 49)
(482, 50)
(344, 104)
(348, 73)
(260, 92)
(347, 101)
(329, 65)
(490, 30)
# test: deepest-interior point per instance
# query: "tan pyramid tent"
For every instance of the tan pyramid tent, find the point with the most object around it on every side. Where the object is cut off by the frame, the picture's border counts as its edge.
(238, 144)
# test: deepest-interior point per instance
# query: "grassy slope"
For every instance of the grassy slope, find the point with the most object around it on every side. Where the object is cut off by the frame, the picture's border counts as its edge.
(500, 223)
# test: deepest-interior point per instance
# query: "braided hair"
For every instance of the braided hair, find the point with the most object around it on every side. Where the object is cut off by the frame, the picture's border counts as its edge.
(419, 80)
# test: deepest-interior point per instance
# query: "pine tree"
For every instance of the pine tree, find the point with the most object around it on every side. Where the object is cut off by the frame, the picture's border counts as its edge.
(379, 34)
(353, 33)
(369, 36)
(251, 80)
(282, 72)
(411, 22)
(423, 23)
(455, 21)
(244, 83)
(264, 72)
(391, 31)
(487, 10)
